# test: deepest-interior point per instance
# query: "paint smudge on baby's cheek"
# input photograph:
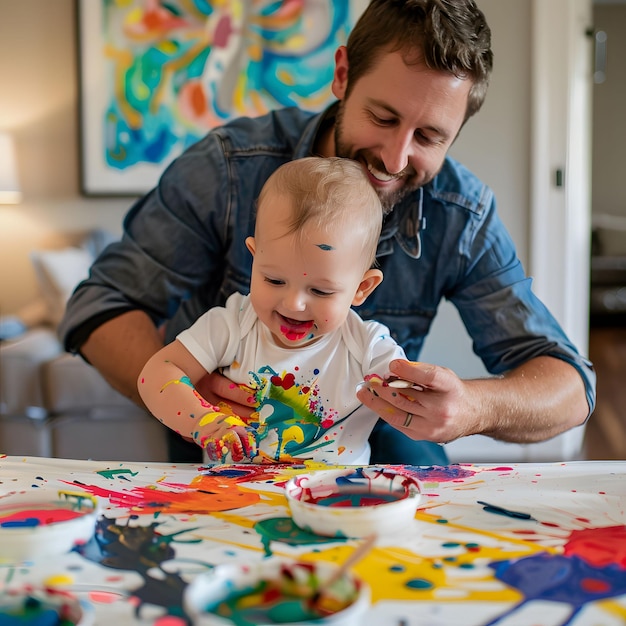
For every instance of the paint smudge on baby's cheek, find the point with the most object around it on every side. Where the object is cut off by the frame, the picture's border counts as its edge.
(325, 246)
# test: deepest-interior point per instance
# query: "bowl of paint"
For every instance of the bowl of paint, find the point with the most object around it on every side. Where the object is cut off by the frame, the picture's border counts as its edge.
(42, 607)
(354, 502)
(44, 524)
(276, 591)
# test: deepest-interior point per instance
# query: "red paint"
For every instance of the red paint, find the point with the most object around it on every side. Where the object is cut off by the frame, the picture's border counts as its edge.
(599, 546)
(44, 516)
(287, 382)
(593, 585)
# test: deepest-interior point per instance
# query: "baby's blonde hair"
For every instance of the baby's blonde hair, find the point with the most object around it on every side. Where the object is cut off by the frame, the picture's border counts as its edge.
(329, 192)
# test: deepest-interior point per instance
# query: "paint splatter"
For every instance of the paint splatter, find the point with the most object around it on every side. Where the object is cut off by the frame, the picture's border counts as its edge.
(203, 495)
(284, 529)
(143, 550)
(599, 547)
(558, 578)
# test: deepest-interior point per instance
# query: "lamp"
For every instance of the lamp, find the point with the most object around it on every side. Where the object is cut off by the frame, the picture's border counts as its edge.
(10, 192)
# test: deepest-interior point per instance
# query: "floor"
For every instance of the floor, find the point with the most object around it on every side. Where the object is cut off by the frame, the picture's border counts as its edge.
(605, 436)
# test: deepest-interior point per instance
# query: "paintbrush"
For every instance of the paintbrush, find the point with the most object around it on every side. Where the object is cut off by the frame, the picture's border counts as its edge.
(360, 552)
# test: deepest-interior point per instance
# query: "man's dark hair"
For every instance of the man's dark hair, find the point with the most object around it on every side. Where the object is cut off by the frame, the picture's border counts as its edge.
(447, 35)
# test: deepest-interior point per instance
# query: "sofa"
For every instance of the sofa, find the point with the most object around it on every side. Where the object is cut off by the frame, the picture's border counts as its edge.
(54, 404)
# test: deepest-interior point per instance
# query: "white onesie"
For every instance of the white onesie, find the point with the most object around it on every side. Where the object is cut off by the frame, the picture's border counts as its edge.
(305, 397)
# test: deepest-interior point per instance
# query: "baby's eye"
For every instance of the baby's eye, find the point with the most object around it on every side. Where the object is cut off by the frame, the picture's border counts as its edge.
(322, 294)
(274, 281)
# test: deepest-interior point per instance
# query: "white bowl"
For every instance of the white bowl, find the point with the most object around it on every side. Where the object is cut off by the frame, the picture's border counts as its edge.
(44, 523)
(34, 606)
(354, 502)
(239, 587)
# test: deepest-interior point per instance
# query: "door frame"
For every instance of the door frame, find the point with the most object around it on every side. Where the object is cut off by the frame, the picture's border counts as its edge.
(560, 216)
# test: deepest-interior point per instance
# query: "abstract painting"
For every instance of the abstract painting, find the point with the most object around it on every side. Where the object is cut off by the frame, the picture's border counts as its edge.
(156, 75)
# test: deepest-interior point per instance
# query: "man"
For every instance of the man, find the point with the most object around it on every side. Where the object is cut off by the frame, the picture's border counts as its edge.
(411, 75)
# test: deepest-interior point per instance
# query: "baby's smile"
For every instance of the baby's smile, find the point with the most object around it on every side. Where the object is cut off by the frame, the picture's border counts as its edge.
(295, 329)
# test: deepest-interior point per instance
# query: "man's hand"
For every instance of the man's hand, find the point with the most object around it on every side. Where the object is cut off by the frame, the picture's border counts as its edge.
(536, 401)
(430, 406)
(218, 389)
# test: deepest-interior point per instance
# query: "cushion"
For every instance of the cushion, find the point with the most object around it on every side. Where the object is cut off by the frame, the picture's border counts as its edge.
(58, 272)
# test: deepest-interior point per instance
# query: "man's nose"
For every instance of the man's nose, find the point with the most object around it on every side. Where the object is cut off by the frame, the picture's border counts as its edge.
(398, 151)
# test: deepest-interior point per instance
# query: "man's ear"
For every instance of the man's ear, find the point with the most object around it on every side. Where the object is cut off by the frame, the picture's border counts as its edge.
(371, 279)
(250, 245)
(340, 77)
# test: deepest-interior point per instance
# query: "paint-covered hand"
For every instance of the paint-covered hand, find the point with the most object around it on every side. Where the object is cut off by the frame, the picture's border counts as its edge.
(226, 438)
(423, 401)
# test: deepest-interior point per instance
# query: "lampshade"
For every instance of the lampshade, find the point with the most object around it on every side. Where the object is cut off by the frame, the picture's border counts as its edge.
(10, 192)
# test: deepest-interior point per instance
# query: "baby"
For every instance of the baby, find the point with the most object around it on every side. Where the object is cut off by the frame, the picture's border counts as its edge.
(294, 342)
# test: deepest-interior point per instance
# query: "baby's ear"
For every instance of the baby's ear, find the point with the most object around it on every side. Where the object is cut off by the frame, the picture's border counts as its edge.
(250, 245)
(371, 279)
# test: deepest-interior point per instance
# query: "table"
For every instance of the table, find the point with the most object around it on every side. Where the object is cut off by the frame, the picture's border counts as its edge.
(459, 562)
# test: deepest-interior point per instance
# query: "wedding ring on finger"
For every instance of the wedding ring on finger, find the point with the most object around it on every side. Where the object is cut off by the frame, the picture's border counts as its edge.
(408, 419)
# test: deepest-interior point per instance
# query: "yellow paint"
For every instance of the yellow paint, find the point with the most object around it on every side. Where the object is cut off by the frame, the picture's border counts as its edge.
(58, 581)
(78, 495)
(531, 547)
(286, 78)
(231, 420)
(167, 47)
(388, 570)
(613, 607)
(134, 17)
(255, 52)
(122, 61)
(293, 433)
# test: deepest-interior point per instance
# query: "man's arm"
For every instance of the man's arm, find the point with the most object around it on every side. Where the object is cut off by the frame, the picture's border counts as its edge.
(119, 349)
(533, 402)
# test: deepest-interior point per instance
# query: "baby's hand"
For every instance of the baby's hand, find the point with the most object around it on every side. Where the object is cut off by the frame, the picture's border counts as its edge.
(238, 442)
(224, 433)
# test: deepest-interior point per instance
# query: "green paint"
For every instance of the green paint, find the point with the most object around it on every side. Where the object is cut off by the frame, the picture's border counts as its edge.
(115, 472)
(284, 529)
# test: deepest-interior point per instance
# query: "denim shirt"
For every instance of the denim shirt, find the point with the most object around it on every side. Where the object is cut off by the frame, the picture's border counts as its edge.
(183, 251)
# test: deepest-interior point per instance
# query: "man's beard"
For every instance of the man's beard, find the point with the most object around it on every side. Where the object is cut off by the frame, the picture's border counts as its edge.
(389, 199)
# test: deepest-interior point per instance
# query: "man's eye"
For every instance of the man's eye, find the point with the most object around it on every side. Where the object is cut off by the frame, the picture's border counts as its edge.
(382, 121)
(428, 140)
(274, 281)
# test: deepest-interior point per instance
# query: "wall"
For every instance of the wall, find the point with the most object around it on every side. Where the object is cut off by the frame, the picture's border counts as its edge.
(39, 106)
(495, 144)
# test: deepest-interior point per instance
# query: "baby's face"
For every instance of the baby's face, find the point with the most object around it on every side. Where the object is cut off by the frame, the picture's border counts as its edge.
(302, 284)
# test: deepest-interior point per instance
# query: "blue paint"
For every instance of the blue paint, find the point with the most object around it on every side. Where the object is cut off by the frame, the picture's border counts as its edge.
(498, 510)
(29, 522)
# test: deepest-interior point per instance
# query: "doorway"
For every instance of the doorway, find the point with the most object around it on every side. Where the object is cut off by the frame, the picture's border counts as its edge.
(606, 432)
